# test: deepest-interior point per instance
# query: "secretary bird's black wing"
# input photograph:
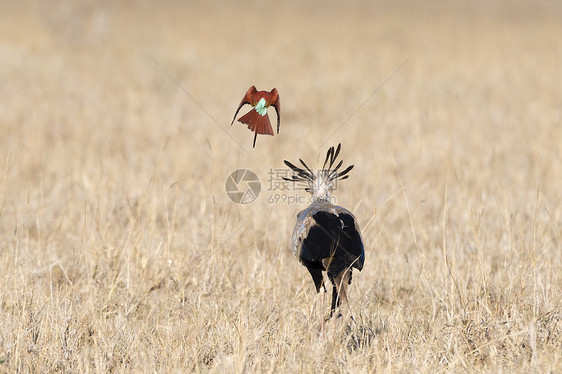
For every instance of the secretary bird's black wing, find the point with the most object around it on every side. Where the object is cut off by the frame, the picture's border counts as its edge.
(333, 237)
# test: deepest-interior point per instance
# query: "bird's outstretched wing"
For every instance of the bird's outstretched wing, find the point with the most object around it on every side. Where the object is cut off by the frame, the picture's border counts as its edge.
(276, 103)
(247, 99)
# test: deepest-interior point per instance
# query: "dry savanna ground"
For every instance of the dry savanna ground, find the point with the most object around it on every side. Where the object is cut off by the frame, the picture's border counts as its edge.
(121, 252)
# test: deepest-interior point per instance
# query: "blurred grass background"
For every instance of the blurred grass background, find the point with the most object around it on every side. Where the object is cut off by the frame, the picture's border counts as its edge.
(122, 252)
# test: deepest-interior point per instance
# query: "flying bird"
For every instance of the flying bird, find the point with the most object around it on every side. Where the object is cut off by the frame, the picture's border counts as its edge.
(326, 237)
(257, 118)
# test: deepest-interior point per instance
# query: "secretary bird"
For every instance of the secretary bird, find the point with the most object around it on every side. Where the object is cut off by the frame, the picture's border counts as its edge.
(326, 236)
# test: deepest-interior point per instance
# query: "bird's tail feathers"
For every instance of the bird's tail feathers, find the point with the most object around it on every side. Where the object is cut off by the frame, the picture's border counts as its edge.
(256, 122)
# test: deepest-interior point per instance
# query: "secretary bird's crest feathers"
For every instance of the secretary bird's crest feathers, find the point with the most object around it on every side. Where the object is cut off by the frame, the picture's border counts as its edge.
(320, 184)
(302, 175)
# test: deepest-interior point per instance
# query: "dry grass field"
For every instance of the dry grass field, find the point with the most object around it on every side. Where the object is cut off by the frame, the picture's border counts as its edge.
(120, 250)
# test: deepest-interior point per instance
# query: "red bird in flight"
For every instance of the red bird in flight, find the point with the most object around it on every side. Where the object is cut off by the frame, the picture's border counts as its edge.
(257, 118)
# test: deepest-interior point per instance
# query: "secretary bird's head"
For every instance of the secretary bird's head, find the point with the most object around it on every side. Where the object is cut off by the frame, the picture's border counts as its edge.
(322, 183)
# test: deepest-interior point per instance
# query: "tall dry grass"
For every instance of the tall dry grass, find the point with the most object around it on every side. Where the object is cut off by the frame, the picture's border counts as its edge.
(121, 252)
